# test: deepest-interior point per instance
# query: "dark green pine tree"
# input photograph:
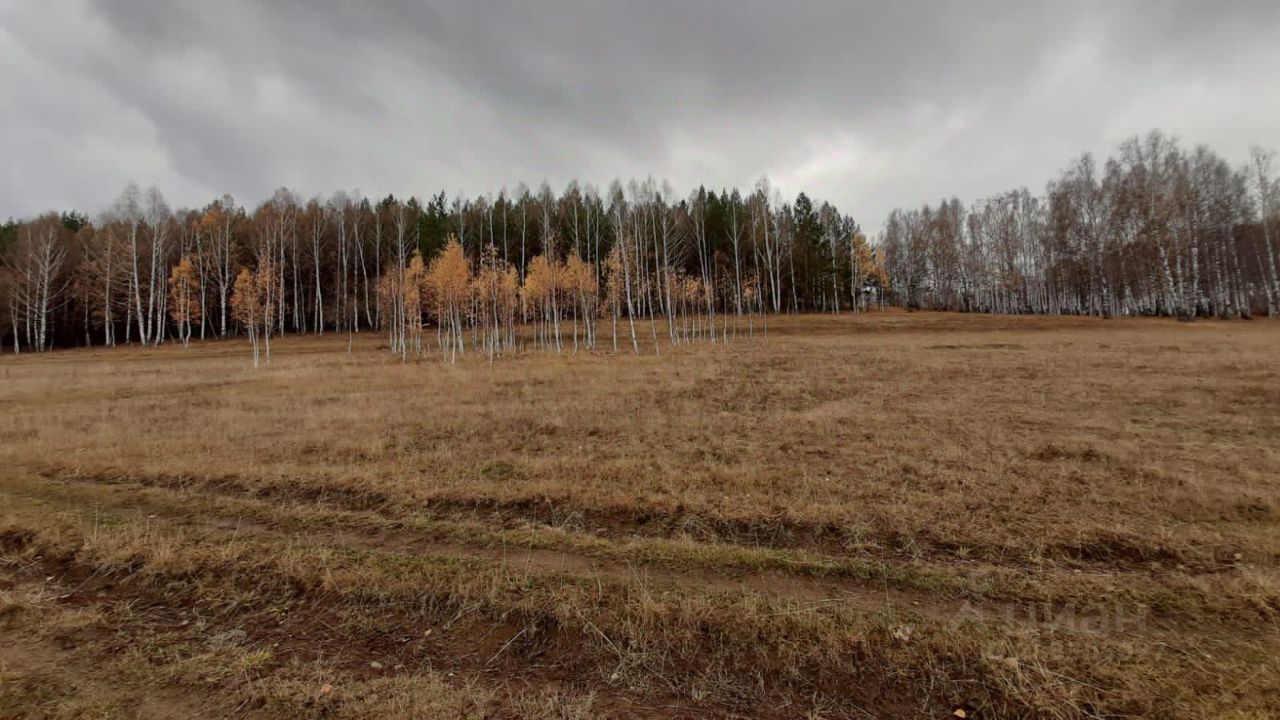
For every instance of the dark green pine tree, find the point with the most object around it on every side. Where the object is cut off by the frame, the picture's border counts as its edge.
(433, 226)
(807, 255)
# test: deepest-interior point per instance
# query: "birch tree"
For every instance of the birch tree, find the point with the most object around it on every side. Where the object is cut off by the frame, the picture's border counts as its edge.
(38, 280)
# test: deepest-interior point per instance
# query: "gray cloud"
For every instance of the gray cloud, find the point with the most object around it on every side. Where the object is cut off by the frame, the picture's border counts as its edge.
(871, 105)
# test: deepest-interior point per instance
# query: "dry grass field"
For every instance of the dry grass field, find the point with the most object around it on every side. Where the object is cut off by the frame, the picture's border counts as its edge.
(872, 516)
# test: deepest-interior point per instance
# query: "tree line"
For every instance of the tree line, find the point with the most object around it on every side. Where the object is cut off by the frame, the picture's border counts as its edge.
(696, 267)
(1153, 230)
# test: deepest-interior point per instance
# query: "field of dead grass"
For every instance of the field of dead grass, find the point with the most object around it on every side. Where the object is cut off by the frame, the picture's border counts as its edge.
(871, 516)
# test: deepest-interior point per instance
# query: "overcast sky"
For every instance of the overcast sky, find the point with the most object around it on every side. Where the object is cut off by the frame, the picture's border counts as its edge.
(870, 105)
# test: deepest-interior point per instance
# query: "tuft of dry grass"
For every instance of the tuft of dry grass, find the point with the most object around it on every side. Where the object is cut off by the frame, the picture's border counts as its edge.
(855, 516)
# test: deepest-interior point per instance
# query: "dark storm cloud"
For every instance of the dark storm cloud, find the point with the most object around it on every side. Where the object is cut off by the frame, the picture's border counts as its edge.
(869, 106)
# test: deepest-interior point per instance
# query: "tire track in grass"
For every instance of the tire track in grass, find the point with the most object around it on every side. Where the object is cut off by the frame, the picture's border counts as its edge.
(547, 556)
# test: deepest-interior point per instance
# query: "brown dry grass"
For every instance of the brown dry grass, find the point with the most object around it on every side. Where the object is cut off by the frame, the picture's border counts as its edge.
(854, 517)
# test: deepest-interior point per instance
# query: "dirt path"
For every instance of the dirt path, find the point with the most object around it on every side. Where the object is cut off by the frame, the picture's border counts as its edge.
(184, 508)
(73, 687)
(188, 507)
(495, 651)
(1109, 555)
(61, 675)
